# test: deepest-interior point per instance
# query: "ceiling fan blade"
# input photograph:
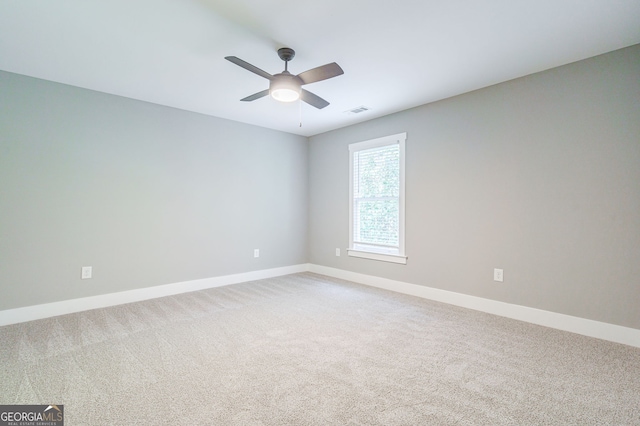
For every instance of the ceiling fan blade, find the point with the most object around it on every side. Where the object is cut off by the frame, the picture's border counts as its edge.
(313, 100)
(256, 96)
(247, 66)
(321, 73)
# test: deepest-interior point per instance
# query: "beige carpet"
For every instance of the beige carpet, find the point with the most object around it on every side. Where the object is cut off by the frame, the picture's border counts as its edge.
(310, 350)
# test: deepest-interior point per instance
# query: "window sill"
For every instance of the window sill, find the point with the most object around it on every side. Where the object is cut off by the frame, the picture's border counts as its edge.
(393, 258)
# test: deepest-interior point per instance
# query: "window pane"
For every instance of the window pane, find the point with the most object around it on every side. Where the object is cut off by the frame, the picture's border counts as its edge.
(377, 222)
(377, 172)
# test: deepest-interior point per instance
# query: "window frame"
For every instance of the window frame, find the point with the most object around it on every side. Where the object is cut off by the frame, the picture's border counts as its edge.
(369, 252)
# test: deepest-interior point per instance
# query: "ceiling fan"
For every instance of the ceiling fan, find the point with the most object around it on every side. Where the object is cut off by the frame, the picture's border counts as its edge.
(286, 87)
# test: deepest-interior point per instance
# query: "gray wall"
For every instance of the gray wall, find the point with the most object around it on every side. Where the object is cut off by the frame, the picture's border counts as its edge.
(539, 176)
(147, 195)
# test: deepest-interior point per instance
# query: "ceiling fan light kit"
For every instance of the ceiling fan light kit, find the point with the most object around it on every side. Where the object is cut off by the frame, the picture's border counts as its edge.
(286, 87)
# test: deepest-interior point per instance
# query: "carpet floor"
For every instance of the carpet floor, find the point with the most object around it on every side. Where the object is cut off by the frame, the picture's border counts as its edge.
(306, 349)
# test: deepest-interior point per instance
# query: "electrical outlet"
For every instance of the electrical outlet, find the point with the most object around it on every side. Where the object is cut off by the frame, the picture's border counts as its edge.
(87, 272)
(498, 275)
(337, 252)
(256, 252)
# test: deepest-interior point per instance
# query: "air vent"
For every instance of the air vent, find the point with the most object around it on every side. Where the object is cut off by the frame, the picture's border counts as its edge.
(358, 110)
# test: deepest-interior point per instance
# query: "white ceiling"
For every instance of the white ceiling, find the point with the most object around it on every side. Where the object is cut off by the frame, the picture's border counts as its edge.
(396, 54)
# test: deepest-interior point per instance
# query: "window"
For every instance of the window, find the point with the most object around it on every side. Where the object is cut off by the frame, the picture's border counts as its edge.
(376, 199)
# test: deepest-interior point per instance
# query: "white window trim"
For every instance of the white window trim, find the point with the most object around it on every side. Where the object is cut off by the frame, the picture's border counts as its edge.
(368, 252)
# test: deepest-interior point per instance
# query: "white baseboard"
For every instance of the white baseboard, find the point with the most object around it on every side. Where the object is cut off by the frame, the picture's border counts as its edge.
(29, 313)
(600, 330)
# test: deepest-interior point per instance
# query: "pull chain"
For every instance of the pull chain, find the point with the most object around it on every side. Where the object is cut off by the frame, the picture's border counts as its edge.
(300, 110)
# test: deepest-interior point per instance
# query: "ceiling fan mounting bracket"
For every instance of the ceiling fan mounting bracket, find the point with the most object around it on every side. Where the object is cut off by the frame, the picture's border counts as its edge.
(286, 53)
